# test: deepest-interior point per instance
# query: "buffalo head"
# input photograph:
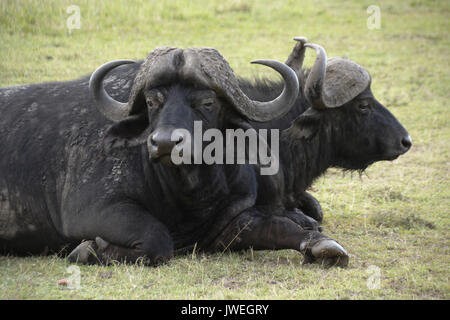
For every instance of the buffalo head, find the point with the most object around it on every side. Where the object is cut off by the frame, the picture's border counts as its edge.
(174, 88)
(361, 130)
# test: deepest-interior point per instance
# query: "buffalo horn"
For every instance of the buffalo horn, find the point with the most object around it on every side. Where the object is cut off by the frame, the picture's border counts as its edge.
(267, 111)
(110, 108)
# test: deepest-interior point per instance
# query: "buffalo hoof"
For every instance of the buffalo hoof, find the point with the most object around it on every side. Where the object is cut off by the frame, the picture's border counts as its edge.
(85, 253)
(328, 253)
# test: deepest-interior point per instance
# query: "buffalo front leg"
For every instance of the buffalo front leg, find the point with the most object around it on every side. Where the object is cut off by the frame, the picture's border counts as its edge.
(267, 232)
(123, 232)
(100, 251)
(310, 206)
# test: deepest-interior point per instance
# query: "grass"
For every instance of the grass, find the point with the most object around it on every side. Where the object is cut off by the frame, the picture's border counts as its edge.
(394, 217)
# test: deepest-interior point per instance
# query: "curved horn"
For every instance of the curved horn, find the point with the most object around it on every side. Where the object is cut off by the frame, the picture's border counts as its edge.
(316, 77)
(110, 108)
(271, 110)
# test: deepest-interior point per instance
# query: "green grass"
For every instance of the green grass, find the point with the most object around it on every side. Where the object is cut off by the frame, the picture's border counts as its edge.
(396, 217)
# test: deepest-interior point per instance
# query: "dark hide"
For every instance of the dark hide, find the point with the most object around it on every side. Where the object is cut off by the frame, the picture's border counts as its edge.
(67, 174)
(58, 186)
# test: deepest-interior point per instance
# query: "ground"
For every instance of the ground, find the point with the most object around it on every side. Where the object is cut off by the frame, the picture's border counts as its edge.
(393, 219)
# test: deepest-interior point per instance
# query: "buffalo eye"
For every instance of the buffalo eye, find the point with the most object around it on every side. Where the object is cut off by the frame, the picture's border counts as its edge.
(149, 102)
(364, 106)
(207, 103)
(154, 98)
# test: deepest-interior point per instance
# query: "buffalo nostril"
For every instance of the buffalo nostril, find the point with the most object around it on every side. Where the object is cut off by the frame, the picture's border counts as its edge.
(407, 142)
(152, 139)
(162, 141)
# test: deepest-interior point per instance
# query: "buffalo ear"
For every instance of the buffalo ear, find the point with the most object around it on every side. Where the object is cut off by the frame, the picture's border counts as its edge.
(127, 133)
(305, 125)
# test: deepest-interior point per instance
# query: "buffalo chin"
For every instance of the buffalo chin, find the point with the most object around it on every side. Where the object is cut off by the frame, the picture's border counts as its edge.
(391, 157)
(167, 161)
(164, 160)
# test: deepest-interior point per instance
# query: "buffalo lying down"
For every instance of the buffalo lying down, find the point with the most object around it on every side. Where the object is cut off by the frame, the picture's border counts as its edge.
(59, 187)
(335, 122)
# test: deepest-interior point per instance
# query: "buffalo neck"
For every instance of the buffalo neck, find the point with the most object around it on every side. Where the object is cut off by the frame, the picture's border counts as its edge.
(304, 159)
(199, 200)
(192, 187)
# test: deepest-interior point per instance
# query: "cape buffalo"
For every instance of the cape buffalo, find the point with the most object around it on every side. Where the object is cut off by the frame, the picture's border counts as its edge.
(335, 122)
(58, 186)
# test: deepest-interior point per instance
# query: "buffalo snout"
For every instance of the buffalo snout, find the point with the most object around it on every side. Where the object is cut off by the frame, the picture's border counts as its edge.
(406, 143)
(403, 147)
(162, 141)
(399, 148)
